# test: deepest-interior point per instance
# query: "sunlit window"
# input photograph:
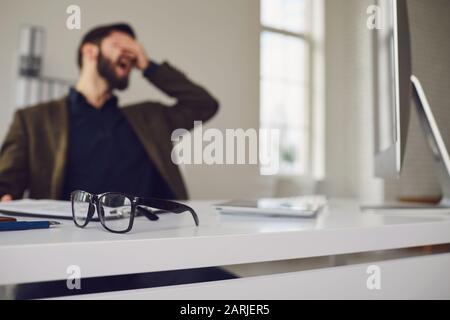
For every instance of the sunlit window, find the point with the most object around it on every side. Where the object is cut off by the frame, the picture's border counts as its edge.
(285, 80)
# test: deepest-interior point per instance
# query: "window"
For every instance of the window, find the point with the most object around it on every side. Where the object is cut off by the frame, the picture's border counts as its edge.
(285, 81)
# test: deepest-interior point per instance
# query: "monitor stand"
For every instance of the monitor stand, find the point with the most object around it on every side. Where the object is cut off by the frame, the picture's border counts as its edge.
(438, 149)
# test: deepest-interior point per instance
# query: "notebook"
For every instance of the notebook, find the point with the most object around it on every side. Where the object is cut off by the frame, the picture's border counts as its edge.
(295, 207)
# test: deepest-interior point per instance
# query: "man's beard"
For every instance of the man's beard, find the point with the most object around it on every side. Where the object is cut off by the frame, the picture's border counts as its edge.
(105, 68)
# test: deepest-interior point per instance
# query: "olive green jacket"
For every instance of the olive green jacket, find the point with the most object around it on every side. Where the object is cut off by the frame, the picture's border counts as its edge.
(33, 155)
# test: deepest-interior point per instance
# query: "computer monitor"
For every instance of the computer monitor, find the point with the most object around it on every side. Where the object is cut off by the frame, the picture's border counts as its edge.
(393, 88)
(396, 88)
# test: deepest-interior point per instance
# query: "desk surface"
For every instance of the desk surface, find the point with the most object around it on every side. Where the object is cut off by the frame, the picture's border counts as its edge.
(174, 242)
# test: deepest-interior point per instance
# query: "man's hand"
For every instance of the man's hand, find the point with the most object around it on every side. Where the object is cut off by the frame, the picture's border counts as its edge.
(6, 198)
(133, 48)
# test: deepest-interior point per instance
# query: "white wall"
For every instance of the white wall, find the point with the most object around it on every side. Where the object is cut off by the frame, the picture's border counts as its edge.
(349, 102)
(215, 42)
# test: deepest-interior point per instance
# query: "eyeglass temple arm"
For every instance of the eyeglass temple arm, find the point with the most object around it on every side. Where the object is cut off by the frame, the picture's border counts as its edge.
(168, 205)
(149, 214)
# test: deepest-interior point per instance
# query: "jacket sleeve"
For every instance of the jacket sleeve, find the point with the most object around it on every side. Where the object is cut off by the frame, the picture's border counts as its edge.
(14, 160)
(194, 103)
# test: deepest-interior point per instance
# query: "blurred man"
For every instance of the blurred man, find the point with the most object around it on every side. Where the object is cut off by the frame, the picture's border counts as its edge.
(86, 142)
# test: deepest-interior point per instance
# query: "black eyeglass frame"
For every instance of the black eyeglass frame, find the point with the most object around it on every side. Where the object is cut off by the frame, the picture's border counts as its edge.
(136, 205)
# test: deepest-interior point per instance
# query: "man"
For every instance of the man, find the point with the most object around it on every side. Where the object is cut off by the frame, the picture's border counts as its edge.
(86, 142)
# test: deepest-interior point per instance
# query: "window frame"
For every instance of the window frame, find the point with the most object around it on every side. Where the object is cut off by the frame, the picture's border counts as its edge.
(312, 36)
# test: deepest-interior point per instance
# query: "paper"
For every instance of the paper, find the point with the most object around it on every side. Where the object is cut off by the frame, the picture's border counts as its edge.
(37, 208)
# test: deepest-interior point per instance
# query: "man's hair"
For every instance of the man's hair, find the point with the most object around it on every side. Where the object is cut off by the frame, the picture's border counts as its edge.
(96, 35)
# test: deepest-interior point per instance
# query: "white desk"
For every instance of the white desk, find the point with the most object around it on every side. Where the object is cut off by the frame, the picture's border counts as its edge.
(175, 243)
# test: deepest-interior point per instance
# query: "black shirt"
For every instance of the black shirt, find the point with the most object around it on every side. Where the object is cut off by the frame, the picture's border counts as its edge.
(105, 155)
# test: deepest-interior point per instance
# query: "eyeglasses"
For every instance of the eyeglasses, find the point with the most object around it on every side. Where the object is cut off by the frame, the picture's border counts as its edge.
(116, 211)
